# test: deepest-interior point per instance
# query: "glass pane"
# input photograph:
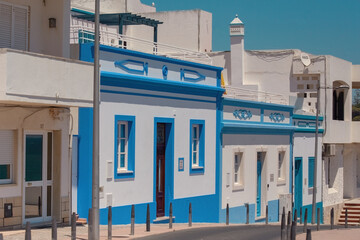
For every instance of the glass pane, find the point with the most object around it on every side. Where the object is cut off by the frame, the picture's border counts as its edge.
(122, 145)
(122, 130)
(48, 201)
(5, 171)
(194, 145)
(49, 157)
(33, 158)
(122, 160)
(33, 200)
(195, 132)
(194, 158)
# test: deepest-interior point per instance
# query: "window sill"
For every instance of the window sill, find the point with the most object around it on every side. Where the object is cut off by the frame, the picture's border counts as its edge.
(281, 182)
(238, 187)
(124, 172)
(197, 170)
(7, 184)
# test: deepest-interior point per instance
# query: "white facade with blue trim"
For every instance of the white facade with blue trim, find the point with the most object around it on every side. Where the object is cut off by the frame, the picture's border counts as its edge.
(159, 128)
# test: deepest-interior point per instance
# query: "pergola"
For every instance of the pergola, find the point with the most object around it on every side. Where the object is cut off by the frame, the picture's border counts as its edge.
(122, 19)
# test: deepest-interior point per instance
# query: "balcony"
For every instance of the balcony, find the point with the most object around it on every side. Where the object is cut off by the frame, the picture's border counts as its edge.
(83, 34)
(36, 79)
(255, 95)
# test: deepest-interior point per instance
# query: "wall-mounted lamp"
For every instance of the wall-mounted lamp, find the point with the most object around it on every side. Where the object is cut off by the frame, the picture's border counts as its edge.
(52, 22)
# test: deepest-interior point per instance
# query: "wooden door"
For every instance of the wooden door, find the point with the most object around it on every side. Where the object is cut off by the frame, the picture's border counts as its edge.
(160, 170)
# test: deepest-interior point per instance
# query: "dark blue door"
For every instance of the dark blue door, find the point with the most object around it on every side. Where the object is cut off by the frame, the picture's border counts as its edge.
(258, 189)
(298, 183)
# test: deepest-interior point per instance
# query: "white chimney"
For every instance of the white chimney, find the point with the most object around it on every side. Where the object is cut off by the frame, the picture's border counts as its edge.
(237, 52)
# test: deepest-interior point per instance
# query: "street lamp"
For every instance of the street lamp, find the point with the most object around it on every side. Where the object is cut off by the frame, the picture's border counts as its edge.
(341, 87)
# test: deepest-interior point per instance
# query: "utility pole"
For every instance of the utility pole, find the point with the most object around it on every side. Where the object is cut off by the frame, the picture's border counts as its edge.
(95, 234)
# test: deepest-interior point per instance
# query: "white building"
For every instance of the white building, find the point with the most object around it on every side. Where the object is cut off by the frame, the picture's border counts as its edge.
(35, 101)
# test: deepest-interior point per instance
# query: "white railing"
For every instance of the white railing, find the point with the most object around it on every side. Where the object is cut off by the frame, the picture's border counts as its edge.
(81, 34)
(254, 95)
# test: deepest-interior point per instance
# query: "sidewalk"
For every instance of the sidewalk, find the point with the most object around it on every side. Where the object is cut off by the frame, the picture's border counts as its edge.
(348, 234)
(118, 232)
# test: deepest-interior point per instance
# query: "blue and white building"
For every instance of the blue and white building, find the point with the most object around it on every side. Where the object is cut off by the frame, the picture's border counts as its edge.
(160, 123)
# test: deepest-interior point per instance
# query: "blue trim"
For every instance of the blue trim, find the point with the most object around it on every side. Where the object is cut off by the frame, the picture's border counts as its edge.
(230, 126)
(242, 114)
(85, 161)
(298, 193)
(311, 163)
(219, 143)
(81, 11)
(169, 161)
(308, 130)
(122, 65)
(155, 96)
(150, 56)
(141, 82)
(309, 208)
(131, 146)
(253, 104)
(201, 151)
(307, 117)
(238, 214)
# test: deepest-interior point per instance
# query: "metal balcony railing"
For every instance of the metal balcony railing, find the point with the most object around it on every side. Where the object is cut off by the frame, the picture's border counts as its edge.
(254, 95)
(82, 34)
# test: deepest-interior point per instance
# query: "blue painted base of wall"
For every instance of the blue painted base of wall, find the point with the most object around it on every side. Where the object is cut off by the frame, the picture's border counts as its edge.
(204, 209)
(309, 209)
(238, 214)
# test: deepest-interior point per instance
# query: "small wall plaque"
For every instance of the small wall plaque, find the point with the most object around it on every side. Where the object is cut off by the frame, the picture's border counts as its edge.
(181, 165)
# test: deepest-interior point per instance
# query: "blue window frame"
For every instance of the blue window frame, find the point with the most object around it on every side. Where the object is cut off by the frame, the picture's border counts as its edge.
(311, 171)
(124, 149)
(197, 146)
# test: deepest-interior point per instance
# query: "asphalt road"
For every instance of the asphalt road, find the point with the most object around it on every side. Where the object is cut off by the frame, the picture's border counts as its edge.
(243, 232)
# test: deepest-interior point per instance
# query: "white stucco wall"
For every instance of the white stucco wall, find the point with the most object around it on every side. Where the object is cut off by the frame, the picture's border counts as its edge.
(42, 39)
(127, 192)
(304, 147)
(250, 145)
(113, 6)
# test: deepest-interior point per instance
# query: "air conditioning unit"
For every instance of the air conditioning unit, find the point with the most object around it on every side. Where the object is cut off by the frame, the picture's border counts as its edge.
(329, 150)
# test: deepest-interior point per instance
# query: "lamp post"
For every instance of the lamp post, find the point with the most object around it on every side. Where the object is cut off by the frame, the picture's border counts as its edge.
(343, 87)
(95, 233)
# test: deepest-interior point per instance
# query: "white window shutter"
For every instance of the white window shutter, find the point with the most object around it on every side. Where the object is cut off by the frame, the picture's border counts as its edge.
(7, 146)
(5, 25)
(20, 16)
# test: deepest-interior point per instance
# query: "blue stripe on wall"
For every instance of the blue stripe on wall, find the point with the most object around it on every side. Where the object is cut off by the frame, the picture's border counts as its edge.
(85, 161)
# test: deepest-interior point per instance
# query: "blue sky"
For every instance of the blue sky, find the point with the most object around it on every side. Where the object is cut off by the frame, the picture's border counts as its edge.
(316, 26)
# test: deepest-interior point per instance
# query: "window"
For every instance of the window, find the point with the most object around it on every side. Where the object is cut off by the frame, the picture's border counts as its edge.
(311, 171)
(238, 171)
(13, 26)
(197, 146)
(124, 146)
(281, 166)
(7, 150)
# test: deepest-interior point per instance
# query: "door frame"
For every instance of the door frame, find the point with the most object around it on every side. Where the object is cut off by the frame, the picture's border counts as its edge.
(263, 183)
(169, 161)
(44, 183)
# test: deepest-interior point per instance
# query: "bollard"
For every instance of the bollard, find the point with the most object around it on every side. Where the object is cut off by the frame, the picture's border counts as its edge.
(305, 220)
(132, 227)
(190, 215)
(109, 223)
(332, 218)
(53, 229)
(283, 210)
(283, 233)
(170, 216)
(267, 215)
(318, 220)
(247, 213)
(1, 236)
(308, 234)
(346, 218)
(293, 231)
(73, 226)
(39, 205)
(295, 216)
(148, 218)
(90, 228)
(288, 226)
(27, 231)
(301, 215)
(227, 214)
